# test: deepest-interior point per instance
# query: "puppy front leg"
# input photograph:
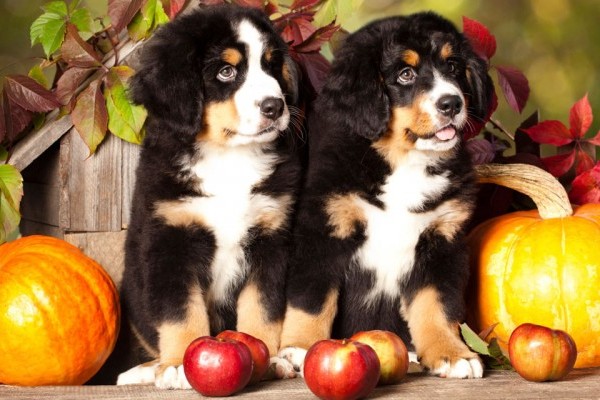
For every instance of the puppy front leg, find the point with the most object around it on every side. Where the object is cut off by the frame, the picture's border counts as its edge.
(302, 328)
(437, 339)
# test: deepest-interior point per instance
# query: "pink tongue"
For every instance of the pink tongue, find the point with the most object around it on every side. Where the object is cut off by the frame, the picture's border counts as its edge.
(446, 133)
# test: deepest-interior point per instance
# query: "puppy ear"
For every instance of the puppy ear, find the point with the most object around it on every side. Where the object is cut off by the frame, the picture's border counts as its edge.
(481, 87)
(168, 83)
(290, 77)
(354, 98)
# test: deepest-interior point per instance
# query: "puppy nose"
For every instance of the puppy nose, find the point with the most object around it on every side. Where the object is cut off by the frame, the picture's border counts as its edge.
(449, 105)
(271, 107)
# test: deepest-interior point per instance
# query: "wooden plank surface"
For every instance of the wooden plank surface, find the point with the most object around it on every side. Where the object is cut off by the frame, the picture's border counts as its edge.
(580, 384)
(91, 189)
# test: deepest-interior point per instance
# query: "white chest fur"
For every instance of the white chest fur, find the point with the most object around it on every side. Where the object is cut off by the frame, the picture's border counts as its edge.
(392, 232)
(228, 207)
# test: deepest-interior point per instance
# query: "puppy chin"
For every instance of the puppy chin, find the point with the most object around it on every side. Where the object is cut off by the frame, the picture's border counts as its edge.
(435, 144)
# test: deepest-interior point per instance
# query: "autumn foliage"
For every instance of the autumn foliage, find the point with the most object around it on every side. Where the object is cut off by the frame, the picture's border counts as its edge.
(88, 57)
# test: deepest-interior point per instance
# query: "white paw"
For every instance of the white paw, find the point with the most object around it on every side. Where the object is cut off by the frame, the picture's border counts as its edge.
(142, 374)
(282, 368)
(461, 368)
(295, 356)
(172, 377)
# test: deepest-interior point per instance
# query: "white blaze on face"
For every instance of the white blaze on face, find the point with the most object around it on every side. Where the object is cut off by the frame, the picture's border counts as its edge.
(442, 87)
(257, 86)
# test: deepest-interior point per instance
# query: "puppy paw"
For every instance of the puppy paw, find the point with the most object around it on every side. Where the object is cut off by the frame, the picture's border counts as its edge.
(171, 377)
(461, 368)
(280, 368)
(140, 375)
(295, 357)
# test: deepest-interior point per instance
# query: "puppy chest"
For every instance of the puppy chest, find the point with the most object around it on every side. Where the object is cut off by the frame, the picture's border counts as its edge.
(392, 231)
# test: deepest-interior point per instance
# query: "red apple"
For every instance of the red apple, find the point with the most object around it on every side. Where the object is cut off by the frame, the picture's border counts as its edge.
(540, 354)
(391, 351)
(217, 366)
(258, 349)
(341, 369)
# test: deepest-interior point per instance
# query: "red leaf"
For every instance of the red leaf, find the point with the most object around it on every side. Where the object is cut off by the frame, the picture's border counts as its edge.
(296, 31)
(271, 8)
(515, 87)
(69, 82)
(586, 187)
(595, 140)
(560, 164)
(580, 118)
(583, 161)
(29, 94)
(16, 118)
(77, 52)
(481, 151)
(121, 12)
(550, 132)
(173, 7)
(90, 115)
(250, 3)
(317, 39)
(315, 66)
(482, 41)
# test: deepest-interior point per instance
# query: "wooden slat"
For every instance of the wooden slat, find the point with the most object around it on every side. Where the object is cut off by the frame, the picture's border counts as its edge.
(34, 144)
(580, 384)
(91, 186)
(131, 154)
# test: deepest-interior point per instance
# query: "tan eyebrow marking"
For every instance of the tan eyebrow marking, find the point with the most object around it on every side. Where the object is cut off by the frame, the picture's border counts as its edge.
(446, 51)
(231, 56)
(411, 57)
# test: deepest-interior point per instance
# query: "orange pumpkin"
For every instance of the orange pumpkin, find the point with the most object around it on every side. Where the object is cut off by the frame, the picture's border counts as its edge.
(540, 266)
(59, 313)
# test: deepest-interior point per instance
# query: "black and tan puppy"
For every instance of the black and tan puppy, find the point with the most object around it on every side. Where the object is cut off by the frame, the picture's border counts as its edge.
(389, 191)
(216, 183)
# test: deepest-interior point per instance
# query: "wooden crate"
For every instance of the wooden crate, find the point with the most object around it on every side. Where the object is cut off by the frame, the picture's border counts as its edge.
(84, 200)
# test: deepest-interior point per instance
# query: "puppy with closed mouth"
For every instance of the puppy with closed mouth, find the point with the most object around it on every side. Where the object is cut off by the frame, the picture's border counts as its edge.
(217, 180)
(389, 191)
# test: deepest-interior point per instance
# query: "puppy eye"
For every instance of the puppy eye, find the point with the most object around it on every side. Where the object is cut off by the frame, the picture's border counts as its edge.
(452, 67)
(407, 76)
(227, 74)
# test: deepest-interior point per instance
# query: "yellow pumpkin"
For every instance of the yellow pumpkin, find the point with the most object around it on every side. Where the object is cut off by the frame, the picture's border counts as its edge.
(540, 266)
(59, 313)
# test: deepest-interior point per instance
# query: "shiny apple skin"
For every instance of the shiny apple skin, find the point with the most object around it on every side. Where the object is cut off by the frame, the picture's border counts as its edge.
(258, 349)
(341, 369)
(391, 351)
(217, 366)
(541, 354)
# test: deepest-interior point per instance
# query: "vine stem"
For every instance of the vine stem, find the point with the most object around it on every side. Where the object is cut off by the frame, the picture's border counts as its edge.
(544, 189)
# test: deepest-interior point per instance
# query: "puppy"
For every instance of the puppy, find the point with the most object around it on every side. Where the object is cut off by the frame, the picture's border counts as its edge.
(216, 184)
(388, 193)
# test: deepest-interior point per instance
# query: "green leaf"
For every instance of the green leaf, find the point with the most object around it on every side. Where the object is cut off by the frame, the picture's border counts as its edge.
(336, 10)
(151, 15)
(11, 192)
(498, 360)
(90, 116)
(56, 7)
(49, 30)
(473, 340)
(37, 74)
(327, 13)
(83, 20)
(125, 119)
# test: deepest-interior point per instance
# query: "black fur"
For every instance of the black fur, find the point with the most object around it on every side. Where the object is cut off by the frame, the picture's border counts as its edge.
(351, 114)
(174, 83)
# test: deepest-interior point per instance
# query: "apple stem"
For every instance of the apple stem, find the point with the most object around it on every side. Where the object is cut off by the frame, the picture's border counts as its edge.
(545, 190)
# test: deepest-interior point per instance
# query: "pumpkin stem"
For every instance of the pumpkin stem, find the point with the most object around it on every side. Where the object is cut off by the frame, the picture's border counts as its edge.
(545, 190)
